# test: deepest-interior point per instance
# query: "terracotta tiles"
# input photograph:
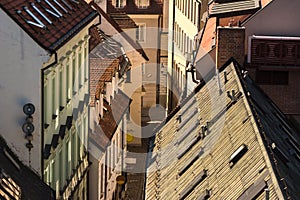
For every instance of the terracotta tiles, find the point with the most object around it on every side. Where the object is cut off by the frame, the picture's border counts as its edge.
(111, 118)
(50, 23)
(101, 71)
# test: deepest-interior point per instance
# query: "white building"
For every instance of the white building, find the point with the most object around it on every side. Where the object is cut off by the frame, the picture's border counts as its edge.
(44, 61)
(185, 20)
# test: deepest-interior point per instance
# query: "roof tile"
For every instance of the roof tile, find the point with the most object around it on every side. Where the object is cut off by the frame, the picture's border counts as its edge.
(49, 29)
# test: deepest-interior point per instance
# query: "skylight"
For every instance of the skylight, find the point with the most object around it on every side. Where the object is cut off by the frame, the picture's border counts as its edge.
(236, 156)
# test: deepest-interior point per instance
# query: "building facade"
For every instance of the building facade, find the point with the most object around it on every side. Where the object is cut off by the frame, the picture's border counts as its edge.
(185, 20)
(51, 46)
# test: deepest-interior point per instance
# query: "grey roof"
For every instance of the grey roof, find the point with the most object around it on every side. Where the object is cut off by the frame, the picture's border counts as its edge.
(24, 179)
(233, 8)
(231, 143)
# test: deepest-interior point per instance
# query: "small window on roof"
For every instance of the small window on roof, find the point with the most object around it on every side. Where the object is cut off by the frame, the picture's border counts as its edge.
(237, 155)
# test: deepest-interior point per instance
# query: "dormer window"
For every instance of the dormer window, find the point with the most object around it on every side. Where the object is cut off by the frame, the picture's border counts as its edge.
(237, 155)
(142, 3)
(280, 50)
(119, 3)
(262, 50)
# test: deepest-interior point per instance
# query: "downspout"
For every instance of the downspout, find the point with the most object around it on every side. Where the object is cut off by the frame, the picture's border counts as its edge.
(158, 64)
(42, 113)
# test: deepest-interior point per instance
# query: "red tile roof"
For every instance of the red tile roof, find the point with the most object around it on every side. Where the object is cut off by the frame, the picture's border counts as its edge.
(50, 23)
(110, 120)
(101, 71)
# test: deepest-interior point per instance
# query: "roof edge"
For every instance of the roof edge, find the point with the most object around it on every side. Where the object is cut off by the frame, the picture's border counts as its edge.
(135, 45)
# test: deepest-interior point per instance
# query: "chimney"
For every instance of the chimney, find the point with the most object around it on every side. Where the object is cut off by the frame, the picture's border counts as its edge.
(230, 43)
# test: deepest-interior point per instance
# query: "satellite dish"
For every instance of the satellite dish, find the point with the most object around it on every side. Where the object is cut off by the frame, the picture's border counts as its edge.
(28, 128)
(28, 109)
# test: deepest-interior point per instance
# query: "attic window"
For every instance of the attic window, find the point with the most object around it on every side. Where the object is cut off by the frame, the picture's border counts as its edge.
(262, 50)
(237, 155)
(296, 51)
(280, 50)
(196, 181)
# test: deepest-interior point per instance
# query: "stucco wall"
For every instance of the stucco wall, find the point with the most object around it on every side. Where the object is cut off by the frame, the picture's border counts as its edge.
(20, 75)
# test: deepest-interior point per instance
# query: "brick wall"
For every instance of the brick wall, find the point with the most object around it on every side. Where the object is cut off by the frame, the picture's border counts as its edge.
(286, 97)
(230, 43)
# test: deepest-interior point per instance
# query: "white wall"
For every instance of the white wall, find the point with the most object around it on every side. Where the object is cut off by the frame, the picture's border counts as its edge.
(20, 83)
(278, 18)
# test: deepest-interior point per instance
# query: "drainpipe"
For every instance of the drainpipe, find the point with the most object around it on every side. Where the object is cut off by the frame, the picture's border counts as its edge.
(42, 113)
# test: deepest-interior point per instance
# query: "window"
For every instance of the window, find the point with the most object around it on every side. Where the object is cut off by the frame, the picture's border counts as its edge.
(237, 155)
(61, 171)
(296, 51)
(53, 96)
(69, 153)
(128, 76)
(119, 3)
(79, 70)
(73, 74)
(142, 3)
(46, 104)
(262, 50)
(141, 32)
(143, 69)
(85, 64)
(68, 82)
(272, 77)
(61, 87)
(280, 50)
(73, 150)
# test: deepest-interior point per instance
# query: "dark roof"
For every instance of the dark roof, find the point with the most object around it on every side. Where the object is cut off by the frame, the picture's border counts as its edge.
(108, 124)
(49, 27)
(133, 43)
(233, 8)
(31, 185)
(224, 144)
(123, 20)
